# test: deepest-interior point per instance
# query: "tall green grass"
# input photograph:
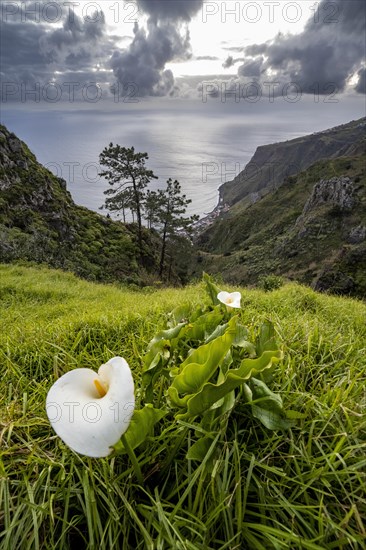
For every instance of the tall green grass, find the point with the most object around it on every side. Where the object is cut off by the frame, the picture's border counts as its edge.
(300, 489)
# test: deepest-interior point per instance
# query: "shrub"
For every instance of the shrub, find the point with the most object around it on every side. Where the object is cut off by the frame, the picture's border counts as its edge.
(270, 282)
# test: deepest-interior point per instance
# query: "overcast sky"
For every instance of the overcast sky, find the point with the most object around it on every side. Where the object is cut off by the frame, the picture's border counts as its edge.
(69, 50)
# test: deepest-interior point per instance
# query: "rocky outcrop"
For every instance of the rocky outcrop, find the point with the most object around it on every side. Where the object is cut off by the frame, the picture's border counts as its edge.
(335, 192)
(335, 196)
(14, 144)
(357, 234)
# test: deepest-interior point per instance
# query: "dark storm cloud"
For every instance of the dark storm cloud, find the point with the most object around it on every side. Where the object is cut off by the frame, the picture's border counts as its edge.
(23, 66)
(143, 63)
(78, 42)
(20, 48)
(230, 61)
(251, 68)
(166, 39)
(327, 53)
(35, 51)
(171, 9)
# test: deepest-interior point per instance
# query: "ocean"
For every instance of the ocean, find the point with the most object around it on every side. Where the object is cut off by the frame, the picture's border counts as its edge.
(200, 145)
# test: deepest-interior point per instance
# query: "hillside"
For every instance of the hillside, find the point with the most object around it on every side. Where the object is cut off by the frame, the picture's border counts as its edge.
(300, 488)
(39, 222)
(271, 164)
(309, 227)
(312, 229)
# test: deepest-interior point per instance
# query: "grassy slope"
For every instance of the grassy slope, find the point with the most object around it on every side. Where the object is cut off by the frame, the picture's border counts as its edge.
(299, 489)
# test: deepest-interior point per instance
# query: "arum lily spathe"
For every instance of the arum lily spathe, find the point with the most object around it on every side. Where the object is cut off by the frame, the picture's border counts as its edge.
(230, 299)
(90, 411)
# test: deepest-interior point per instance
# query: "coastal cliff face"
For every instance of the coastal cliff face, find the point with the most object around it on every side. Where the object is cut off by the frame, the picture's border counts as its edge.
(272, 164)
(311, 227)
(39, 222)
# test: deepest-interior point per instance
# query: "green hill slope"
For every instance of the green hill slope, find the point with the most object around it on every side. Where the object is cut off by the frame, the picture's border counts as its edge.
(39, 222)
(300, 488)
(311, 229)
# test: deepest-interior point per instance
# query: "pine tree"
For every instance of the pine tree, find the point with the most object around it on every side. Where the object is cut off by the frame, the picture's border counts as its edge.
(152, 208)
(121, 202)
(126, 170)
(170, 216)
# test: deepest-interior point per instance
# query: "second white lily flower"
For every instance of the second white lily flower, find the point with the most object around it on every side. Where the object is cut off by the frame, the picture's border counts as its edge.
(230, 299)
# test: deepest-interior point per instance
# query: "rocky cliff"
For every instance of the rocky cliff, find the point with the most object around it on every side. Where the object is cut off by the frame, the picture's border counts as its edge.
(311, 229)
(39, 222)
(334, 193)
(271, 164)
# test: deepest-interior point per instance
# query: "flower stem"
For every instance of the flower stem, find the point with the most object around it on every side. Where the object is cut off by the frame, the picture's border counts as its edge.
(132, 457)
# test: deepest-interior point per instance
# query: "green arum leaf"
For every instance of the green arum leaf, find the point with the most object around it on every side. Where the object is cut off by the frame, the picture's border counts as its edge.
(266, 339)
(219, 331)
(161, 348)
(204, 325)
(223, 405)
(221, 378)
(240, 340)
(211, 289)
(175, 399)
(141, 426)
(202, 363)
(158, 355)
(226, 364)
(180, 314)
(211, 393)
(266, 405)
(197, 313)
(162, 341)
(227, 404)
(241, 336)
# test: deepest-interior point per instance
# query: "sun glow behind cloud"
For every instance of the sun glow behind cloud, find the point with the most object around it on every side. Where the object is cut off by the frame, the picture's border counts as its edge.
(217, 29)
(231, 28)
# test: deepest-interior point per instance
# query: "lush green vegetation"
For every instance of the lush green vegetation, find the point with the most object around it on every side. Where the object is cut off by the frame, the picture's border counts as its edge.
(39, 222)
(301, 488)
(270, 238)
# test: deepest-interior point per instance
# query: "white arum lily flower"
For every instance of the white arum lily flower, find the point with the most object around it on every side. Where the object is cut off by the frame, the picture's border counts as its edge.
(230, 299)
(90, 411)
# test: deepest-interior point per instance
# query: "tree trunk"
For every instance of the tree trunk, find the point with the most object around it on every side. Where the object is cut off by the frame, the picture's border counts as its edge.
(163, 248)
(170, 268)
(138, 215)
